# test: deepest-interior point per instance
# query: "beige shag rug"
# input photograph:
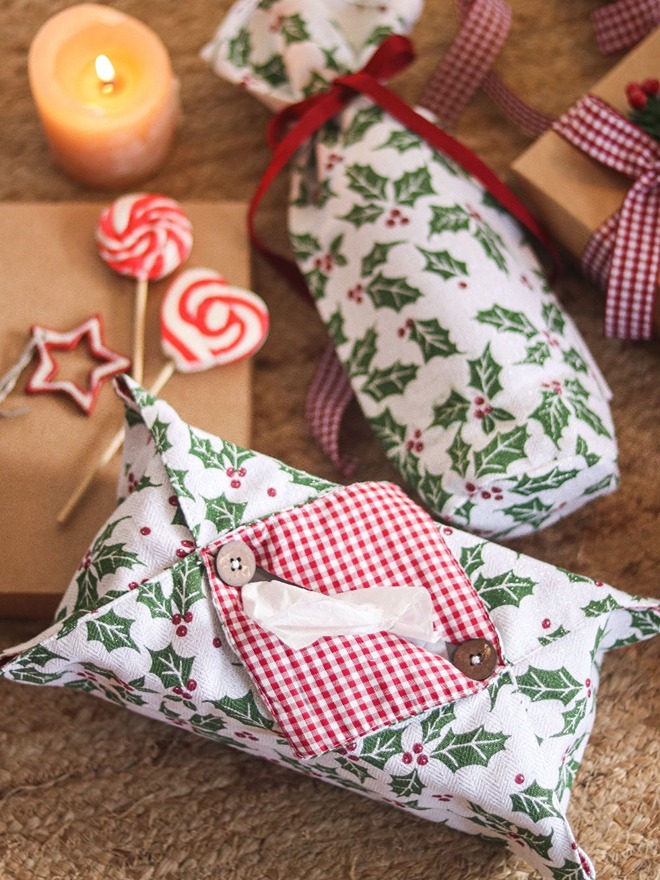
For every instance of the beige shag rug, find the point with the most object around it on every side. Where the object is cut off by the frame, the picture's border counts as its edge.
(88, 790)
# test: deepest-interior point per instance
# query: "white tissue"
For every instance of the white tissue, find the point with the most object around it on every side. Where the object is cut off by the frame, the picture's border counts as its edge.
(299, 617)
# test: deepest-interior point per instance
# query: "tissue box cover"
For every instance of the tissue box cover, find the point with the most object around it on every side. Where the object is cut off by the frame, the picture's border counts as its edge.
(144, 626)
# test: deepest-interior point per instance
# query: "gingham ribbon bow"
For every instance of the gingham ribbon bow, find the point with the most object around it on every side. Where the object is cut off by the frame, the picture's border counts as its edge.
(624, 253)
(621, 24)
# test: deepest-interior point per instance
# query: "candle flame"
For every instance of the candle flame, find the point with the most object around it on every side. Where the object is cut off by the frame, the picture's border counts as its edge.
(105, 72)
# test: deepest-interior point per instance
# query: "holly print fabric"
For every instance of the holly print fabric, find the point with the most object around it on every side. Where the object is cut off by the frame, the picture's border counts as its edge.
(139, 627)
(476, 382)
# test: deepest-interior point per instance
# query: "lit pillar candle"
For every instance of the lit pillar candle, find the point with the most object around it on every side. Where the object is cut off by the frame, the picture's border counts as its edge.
(106, 95)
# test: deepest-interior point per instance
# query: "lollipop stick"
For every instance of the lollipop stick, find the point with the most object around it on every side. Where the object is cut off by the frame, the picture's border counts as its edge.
(108, 453)
(139, 319)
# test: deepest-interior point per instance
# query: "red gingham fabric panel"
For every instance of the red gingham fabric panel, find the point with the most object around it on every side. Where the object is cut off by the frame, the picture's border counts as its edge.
(624, 23)
(365, 535)
(329, 394)
(628, 245)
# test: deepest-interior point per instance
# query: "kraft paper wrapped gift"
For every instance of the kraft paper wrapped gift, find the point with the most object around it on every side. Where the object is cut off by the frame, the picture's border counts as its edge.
(55, 278)
(480, 721)
(571, 193)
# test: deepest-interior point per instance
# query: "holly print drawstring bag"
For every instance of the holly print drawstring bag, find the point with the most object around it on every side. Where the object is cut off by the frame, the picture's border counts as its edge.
(472, 376)
(479, 720)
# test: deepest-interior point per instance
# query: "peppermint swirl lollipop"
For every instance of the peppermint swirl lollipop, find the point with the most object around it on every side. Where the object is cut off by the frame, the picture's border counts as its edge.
(144, 236)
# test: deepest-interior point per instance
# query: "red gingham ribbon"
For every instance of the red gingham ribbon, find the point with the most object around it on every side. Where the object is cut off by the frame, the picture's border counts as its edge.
(626, 249)
(340, 688)
(624, 23)
(485, 26)
(329, 394)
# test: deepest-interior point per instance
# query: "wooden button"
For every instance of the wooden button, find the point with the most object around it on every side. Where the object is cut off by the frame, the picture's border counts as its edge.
(235, 563)
(475, 658)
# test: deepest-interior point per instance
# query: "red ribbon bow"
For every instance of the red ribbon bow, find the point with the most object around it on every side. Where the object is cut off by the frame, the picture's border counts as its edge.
(624, 253)
(307, 116)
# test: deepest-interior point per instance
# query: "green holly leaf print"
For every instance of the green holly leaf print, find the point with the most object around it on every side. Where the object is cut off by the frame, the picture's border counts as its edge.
(553, 414)
(159, 433)
(533, 512)
(472, 558)
(363, 180)
(300, 478)
(569, 767)
(431, 490)
(504, 589)
(555, 478)
(645, 621)
(187, 579)
(133, 418)
(239, 48)
(495, 688)
(485, 373)
(568, 871)
(378, 748)
(390, 432)
(601, 606)
(507, 321)
(412, 185)
(304, 246)
(361, 214)
(463, 513)
(502, 450)
(389, 381)
(548, 684)
(391, 293)
(448, 219)
(102, 559)
(330, 61)
(576, 389)
(433, 340)
(352, 767)
(536, 802)
(558, 633)
(171, 668)
(401, 140)
(449, 165)
(454, 409)
(292, 28)
(553, 317)
(245, 710)
(459, 454)
(363, 120)
(177, 479)
(601, 485)
(377, 256)
(39, 656)
(378, 34)
(574, 359)
(434, 724)
(317, 281)
(587, 415)
(582, 448)
(443, 264)
(573, 718)
(492, 416)
(33, 676)
(151, 594)
(536, 354)
(273, 71)
(223, 513)
(408, 785)
(540, 843)
(336, 328)
(202, 449)
(208, 725)
(335, 250)
(142, 398)
(145, 482)
(362, 354)
(474, 748)
(492, 244)
(112, 631)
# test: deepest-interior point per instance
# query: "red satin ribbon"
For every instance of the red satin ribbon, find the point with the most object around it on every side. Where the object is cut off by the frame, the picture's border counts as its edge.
(307, 116)
(625, 252)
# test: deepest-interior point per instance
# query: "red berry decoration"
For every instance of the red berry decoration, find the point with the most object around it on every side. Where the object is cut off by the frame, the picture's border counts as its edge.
(650, 87)
(182, 631)
(644, 100)
(188, 616)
